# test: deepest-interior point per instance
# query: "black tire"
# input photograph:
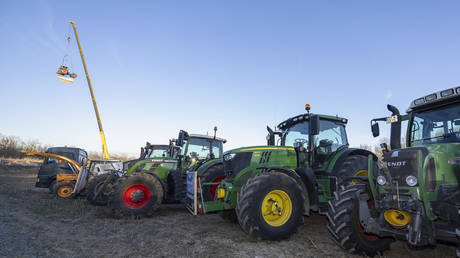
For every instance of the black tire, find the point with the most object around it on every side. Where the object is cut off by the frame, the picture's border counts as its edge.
(350, 167)
(124, 199)
(250, 201)
(94, 192)
(344, 225)
(64, 190)
(52, 187)
(176, 187)
(214, 174)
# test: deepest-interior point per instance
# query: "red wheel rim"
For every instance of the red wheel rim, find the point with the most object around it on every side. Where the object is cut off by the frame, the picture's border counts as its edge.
(136, 196)
(213, 188)
(370, 237)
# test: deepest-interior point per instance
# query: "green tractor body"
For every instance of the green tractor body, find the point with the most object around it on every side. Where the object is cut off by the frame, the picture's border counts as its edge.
(270, 188)
(414, 196)
(162, 179)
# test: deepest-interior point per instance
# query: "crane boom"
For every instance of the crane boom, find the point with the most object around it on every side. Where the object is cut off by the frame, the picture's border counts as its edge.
(105, 152)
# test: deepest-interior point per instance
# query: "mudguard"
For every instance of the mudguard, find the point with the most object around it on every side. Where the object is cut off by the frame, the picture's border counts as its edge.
(352, 151)
(207, 165)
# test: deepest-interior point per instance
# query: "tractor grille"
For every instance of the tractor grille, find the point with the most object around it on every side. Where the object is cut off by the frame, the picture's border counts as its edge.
(235, 165)
(402, 163)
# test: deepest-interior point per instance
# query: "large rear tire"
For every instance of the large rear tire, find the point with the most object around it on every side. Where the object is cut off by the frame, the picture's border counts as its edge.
(344, 225)
(270, 206)
(52, 186)
(139, 194)
(355, 165)
(215, 174)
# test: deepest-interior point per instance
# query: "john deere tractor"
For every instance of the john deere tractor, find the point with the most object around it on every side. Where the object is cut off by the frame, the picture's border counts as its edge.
(269, 189)
(414, 195)
(141, 193)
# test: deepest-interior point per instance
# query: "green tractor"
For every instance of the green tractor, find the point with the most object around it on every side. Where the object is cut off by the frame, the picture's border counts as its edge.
(414, 196)
(151, 156)
(142, 193)
(269, 189)
(148, 153)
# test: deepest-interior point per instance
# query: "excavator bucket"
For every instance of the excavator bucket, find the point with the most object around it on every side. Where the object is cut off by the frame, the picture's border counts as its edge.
(65, 79)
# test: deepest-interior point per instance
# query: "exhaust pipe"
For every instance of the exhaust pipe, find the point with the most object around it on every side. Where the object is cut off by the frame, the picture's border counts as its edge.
(395, 138)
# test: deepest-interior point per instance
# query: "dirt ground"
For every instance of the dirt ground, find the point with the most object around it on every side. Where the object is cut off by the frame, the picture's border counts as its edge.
(35, 223)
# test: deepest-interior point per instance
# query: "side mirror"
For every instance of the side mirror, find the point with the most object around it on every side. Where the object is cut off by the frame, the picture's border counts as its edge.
(375, 129)
(270, 137)
(314, 125)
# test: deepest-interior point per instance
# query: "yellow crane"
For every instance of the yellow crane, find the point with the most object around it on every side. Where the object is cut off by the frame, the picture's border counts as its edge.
(105, 152)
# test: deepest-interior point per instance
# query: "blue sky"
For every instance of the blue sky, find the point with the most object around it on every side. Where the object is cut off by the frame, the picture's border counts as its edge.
(161, 66)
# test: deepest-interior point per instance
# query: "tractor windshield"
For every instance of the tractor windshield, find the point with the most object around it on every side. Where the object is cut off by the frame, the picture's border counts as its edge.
(331, 137)
(199, 148)
(297, 134)
(158, 152)
(440, 125)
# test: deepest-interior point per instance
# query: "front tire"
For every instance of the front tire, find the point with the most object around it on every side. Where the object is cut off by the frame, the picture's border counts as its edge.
(270, 206)
(64, 190)
(95, 194)
(344, 225)
(139, 194)
(214, 175)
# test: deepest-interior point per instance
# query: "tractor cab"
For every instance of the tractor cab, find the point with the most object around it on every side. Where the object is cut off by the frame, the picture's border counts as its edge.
(316, 138)
(154, 151)
(196, 149)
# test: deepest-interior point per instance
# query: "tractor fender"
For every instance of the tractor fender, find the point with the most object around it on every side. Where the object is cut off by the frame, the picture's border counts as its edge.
(350, 152)
(163, 184)
(297, 178)
(207, 165)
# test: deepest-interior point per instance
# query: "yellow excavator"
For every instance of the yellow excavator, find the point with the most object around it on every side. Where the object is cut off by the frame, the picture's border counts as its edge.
(67, 76)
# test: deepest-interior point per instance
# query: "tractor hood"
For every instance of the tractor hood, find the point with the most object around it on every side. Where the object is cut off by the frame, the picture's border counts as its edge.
(248, 159)
(258, 148)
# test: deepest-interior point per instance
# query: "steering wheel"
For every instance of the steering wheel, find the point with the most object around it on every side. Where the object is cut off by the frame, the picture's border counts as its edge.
(299, 142)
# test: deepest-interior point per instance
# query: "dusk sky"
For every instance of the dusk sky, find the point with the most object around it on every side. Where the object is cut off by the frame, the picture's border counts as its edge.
(161, 66)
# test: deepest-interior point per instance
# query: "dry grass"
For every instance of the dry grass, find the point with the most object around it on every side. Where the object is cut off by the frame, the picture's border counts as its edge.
(35, 223)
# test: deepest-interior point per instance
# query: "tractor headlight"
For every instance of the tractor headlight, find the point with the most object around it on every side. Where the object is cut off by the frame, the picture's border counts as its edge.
(411, 180)
(381, 180)
(229, 157)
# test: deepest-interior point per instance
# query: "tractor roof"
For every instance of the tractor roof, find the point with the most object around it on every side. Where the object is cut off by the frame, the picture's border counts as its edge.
(63, 149)
(208, 137)
(160, 145)
(442, 97)
(305, 117)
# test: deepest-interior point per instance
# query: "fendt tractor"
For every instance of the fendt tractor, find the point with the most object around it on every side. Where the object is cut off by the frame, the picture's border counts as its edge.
(141, 193)
(147, 153)
(151, 155)
(414, 196)
(269, 189)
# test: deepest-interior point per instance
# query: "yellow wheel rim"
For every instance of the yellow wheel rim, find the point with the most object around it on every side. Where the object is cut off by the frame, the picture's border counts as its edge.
(359, 173)
(64, 191)
(276, 208)
(397, 218)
